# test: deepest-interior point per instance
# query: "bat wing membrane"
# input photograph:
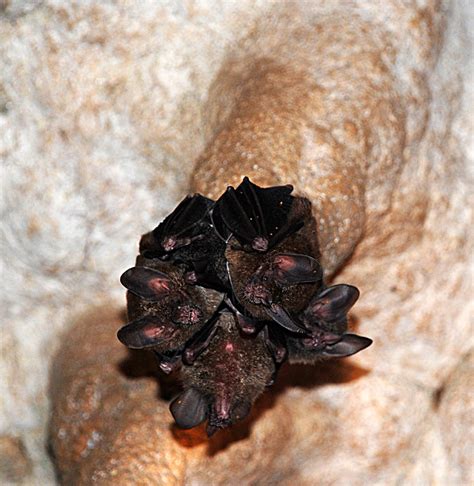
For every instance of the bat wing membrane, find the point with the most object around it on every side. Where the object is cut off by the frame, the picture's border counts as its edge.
(281, 316)
(186, 216)
(255, 215)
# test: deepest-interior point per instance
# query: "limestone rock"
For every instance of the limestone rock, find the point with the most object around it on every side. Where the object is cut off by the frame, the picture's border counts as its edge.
(15, 465)
(455, 419)
(363, 106)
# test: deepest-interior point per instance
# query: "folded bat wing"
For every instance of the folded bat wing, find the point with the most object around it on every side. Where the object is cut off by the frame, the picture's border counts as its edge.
(185, 218)
(255, 216)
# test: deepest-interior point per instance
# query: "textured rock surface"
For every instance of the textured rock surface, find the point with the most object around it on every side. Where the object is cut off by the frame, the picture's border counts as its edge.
(363, 106)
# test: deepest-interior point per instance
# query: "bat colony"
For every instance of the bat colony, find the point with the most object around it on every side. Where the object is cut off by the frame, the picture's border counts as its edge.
(226, 291)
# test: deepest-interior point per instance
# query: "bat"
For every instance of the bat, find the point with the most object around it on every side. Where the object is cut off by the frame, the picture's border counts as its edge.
(165, 311)
(325, 320)
(225, 379)
(272, 251)
(184, 226)
(187, 238)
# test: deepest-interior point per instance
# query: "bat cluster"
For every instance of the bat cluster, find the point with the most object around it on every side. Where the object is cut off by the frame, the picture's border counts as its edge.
(226, 291)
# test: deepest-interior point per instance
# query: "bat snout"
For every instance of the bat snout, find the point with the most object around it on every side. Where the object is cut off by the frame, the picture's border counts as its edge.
(257, 293)
(169, 243)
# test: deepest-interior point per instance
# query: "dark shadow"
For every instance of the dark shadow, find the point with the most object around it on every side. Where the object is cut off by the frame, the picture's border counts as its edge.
(324, 373)
(301, 376)
(143, 364)
(138, 364)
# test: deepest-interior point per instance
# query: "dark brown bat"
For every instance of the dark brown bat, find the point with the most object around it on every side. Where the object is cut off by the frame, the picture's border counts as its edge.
(186, 237)
(225, 378)
(165, 311)
(183, 226)
(257, 217)
(325, 320)
(273, 271)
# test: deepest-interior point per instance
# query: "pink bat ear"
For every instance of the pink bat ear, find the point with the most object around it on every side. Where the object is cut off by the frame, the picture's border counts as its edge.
(332, 304)
(147, 283)
(145, 332)
(349, 344)
(292, 268)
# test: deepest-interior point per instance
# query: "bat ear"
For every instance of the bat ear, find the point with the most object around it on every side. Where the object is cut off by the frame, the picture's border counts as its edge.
(145, 333)
(147, 283)
(189, 409)
(332, 304)
(293, 269)
(349, 344)
(241, 410)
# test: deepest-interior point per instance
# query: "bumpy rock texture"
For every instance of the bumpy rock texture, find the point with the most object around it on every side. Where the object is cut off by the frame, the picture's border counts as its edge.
(362, 106)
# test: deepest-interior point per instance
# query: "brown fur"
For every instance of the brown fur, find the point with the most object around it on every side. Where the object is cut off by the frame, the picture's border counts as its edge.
(242, 265)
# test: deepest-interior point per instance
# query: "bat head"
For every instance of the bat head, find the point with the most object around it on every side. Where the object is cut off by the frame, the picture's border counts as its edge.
(223, 413)
(166, 312)
(182, 227)
(191, 408)
(325, 321)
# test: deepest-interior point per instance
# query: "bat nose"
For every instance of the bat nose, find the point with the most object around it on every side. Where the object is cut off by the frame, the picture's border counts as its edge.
(169, 244)
(257, 293)
(222, 407)
(260, 243)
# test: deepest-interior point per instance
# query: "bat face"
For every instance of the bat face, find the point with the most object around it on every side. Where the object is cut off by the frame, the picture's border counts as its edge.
(226, 291)
(325, 320)
(165, 311)
(279, 282)
(274, 285)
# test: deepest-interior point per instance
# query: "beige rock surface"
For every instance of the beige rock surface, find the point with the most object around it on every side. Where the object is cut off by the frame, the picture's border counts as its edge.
(363, 106)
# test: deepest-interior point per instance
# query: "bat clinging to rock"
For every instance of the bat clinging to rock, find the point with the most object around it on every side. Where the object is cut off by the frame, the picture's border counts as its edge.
(187, 238)
(164, 310)
(225, 379)
(280, 276)
(325, 320)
